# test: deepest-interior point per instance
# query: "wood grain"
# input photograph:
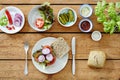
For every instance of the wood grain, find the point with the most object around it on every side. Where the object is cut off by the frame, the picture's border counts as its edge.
(56, 26)
(9, 70)
(11, 46)
(53, 1)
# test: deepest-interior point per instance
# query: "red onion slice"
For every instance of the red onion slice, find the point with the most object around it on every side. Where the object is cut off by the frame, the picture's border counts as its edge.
(46, 51)
(41, 58)
(49, 57)
(18, 20)
(19, 16)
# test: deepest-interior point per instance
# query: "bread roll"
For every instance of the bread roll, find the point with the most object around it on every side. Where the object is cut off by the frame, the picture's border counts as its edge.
(60, 47)
(96, 59)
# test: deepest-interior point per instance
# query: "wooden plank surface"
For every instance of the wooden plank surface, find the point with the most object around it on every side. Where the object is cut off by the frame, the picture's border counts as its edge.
(9, 70)
(56, 26)
(11, 46)
(52, 1)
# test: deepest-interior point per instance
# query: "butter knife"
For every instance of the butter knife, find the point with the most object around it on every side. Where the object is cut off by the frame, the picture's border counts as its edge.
(73, 54)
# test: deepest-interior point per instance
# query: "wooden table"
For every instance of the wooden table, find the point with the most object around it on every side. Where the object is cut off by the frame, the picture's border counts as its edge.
(12, 54)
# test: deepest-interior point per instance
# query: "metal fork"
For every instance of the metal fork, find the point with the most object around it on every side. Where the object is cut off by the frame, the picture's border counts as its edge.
(26, 47)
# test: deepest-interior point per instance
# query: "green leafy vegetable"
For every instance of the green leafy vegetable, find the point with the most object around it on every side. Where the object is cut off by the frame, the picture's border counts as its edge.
(108, 15)
(46, 13)
(118, 23)
(111, 11)
(101, 18)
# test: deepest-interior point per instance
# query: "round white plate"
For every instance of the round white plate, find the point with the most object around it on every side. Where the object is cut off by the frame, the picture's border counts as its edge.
(32, 16)
(13, 10)
(59, 63)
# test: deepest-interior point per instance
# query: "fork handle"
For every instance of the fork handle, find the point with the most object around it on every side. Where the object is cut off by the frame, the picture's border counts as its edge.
(26, 68)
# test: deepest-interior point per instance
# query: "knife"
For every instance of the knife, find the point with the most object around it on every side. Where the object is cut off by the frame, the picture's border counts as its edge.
(73, 54)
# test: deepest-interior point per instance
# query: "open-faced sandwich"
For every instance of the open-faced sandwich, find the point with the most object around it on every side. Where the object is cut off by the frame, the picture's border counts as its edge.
(45, 56)
(48, 53)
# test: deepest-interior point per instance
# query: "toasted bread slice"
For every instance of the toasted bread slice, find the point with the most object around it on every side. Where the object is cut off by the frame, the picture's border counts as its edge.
(60, 47)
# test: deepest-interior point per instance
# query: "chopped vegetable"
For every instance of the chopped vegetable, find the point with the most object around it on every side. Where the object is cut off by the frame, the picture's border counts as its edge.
(3, 21)
(18, 20)
(49, 57)
(11, 27)
(45, 51)
(41, 58)
(9, 17)
(39, 23)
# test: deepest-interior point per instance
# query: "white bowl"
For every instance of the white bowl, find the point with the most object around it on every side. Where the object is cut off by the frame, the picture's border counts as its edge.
(88, 7)
(32, 16)
(91, 25)
(96, 35)
(65, 10)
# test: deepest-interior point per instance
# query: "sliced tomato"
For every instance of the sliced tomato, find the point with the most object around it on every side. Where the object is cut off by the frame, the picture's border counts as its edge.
(39, 23)
(52, 62)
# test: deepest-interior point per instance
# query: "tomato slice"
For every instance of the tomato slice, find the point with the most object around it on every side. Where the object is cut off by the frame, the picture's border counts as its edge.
(39, 23)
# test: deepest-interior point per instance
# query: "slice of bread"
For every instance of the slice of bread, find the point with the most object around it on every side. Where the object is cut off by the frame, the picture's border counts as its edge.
(60, 47)
(96, 59)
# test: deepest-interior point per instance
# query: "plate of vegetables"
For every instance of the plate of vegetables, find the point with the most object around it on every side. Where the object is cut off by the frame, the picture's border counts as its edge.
(41, 17)
(44, 58)
(11, 20)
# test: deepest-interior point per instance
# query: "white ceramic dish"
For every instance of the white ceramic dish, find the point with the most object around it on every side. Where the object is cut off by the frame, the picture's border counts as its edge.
(96, 36)
(12, 10)
(32, 16)
(59, 64)
(91, 25)
(88, 7)
(65, 10)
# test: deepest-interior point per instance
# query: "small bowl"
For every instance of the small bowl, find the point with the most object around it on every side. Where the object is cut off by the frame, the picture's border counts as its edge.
(86, 10)
(85, 25)
(65, 10)
(96, 35)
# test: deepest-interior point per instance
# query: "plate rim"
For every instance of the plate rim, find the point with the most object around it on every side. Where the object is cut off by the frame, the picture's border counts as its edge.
(22, 16)
(56, 57)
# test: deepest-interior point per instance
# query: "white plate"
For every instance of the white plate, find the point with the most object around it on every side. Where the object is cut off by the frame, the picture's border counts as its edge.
(59, 63)
(13, 10)
(32, 16)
